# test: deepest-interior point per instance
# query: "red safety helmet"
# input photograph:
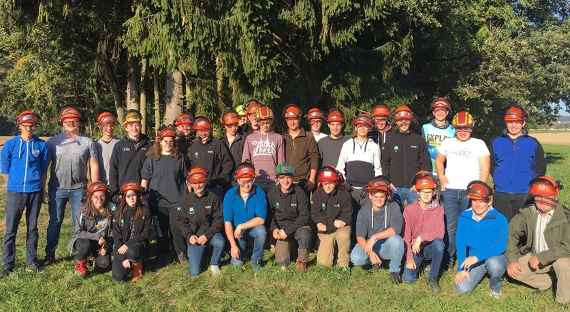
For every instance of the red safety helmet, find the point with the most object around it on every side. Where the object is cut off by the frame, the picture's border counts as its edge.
(381, 111)
(131, 186)
(230, 119)
(440, 103)
(105, 118)
(315, 113)
(184, 119)
(363, 119)
(27, 117)
(202, 123)
(292, 111)
(403, 112)
(167, 132)
(544, 186)
(329, 174)
(245, 170)
(424, 181)
(514, 113)
(251, 106)
(264, 113)
(69, 113)
(463, 119)
(197, 175)
(378, 185)
(479, 190)
(96, 187)
(335, 116)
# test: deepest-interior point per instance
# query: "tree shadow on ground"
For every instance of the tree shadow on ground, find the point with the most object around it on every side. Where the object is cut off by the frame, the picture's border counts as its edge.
(555, 158)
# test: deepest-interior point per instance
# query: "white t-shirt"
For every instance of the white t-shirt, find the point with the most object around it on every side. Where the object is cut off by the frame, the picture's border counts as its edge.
(462, 159)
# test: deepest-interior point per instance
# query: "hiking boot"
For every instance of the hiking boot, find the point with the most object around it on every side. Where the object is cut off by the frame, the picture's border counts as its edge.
(434, 285)
(395, 276)
(81, 268)
(136, 271)
(215, 270)
(33, 267)
(301, 266)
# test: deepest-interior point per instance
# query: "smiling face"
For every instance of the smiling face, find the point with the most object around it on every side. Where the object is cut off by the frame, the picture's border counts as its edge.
(133, 130)
(197, 188)
(362, 131)
(98, 200)
(293, 123)
(231, 129)
(381, 123)
(285, 182)
(336, 128)
(184, 130)
(463, 134)
(328, 187)
(403, 125)
(515, 128)
(265, 125)
(245, 185)
(426, 196)
(26, 130)
(167, 145)
(71, 127)
(253, 121)
(203, 134)
(480, 207)
(316, 125)
(378, 199)
(440, 114)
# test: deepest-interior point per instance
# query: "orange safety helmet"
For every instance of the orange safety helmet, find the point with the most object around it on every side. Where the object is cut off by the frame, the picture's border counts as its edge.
(230, 119)
(424, 181)
(514, 113)
(363, 119)
(197, 175)
(69, 113)
(245, 170)
(545, 186)
(292, 111)
(167, 132)
(440, 103)
(403, 112)
(96, 187)
(131, 186)
(378, 185)
(264, 113)
(27, 117)
(463, 119)
(105, 118)
(479, 190)
(315, 113)
(381, 111)
(202, 123)
(184, 119)
(335, 116)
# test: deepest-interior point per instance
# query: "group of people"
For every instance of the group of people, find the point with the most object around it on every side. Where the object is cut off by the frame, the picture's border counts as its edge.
(383, 194)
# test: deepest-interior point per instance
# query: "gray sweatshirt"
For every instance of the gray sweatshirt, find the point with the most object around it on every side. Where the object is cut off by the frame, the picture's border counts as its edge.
(388, 216)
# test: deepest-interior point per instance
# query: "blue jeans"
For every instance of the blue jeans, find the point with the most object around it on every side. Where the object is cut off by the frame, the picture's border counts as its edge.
(494, 266)
(454, 202)
(391, 249)
(434, 250)
(195, 253)
(57, 200)
(258, 234)
(404, 196)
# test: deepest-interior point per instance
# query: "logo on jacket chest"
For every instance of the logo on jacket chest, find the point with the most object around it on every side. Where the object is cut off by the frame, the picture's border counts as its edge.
(35, 152)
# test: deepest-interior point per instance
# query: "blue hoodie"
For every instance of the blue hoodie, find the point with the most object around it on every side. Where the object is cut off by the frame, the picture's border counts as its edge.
(237, 211)
(25, 163)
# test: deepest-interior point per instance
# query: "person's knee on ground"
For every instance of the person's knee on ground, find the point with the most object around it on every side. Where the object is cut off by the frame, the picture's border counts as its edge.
(358, 256)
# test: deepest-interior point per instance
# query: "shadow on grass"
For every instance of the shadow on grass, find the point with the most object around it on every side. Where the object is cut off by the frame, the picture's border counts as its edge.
(555, 158)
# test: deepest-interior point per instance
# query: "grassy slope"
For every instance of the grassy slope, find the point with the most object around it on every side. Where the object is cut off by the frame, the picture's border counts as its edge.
(57, 288)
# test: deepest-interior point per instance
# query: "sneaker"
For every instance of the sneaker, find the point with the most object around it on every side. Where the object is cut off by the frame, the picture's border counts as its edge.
(495, 294)
(375, 267)
(434, 285)
(33, 267)
(49, 260)
(395, 276)
(215, 270)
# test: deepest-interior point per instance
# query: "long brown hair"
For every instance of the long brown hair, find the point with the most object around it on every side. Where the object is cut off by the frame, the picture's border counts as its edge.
(139, 208)
(90, 210)
(155, 151)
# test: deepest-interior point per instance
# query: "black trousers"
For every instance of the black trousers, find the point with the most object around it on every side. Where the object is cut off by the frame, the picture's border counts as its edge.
(509, 203)
(134, 253)
(178, 239)
(85, 248)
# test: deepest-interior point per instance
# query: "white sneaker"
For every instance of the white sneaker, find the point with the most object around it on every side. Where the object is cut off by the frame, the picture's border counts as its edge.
(495, 294)
(215, 270)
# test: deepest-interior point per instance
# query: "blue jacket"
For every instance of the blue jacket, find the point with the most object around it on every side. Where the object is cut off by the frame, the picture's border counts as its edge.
(237, 211)
(25, 163)
(484, 239)
(515, 163)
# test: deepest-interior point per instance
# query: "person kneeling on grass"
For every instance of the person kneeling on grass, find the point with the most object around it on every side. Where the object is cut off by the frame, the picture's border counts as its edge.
(131, 226)
(378, 228)
(290, 219)
(482, 233)
(540, 241)
(91, 236)
(199, 220)
(245, 211)
(331, 211)
(424, 231)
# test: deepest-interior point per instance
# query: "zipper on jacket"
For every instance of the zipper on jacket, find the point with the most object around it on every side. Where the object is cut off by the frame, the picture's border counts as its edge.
(26, 167)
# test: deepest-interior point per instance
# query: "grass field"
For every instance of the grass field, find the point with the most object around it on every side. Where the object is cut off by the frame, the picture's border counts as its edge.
(171, 289)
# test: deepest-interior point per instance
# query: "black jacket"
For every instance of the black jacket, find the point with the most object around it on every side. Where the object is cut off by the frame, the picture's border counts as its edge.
(289, 211)
(403, 156)
(126, 162)
(128, 229)
(213, 156)
(236, 149)
(380, 138)
(326, 208)
(183, 143)
(199, 216)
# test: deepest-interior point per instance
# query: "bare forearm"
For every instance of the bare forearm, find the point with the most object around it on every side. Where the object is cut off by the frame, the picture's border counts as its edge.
(229, 228)
(252, 223)
(387, 233)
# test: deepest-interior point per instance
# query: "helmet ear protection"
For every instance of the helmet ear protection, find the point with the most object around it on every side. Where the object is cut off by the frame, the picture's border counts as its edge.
(479, 190)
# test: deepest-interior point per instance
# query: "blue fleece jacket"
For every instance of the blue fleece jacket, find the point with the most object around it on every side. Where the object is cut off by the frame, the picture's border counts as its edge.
(238, 211)
(25, 163)
(483, 239)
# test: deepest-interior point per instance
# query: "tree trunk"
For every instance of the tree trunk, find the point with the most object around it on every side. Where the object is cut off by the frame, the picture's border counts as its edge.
(117, 95)
(174, 94)
(220, 83)
(188, 94)
(132, 85)
(156, 93)
(142, 104)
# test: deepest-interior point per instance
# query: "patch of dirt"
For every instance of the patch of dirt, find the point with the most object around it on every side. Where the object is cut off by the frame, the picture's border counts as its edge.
(558, 138)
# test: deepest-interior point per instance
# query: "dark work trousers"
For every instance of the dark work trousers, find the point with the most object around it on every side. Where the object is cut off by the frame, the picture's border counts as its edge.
(178, 239)
(509, 203)
(134, 254)
(16, 203)
(165, 241)
(85, 248)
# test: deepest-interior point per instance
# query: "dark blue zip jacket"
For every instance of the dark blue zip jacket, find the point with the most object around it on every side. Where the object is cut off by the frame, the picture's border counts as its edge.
(25, 163)
(516, 162)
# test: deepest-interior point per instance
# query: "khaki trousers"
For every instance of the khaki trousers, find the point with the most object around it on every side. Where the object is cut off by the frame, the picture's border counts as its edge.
(541, 279)
(325, 253)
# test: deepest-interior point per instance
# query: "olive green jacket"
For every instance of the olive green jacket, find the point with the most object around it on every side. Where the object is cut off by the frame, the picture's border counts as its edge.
(557, 235)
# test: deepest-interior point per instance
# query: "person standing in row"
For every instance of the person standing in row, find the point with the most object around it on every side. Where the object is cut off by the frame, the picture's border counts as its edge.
(251, 110)
(382, 128)
(106, 122)
(184, 123)
(71, 157)
(198, 223)
(163, 177)
(329, 147)
(290, 219)
(264, 149)
(467, 159)
(24, 162)
(315, 119)
(517, 158)
(404, 155)
(233, 140)
(300, 149)
(439, 129)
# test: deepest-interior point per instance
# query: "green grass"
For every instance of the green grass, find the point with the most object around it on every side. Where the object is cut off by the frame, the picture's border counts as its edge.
(171, 289)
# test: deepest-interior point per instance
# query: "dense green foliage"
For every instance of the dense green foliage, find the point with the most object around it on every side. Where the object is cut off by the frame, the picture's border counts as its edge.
(482, 54)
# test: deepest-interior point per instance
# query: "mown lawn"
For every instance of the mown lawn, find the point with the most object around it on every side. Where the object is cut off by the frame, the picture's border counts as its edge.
(170, 288)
